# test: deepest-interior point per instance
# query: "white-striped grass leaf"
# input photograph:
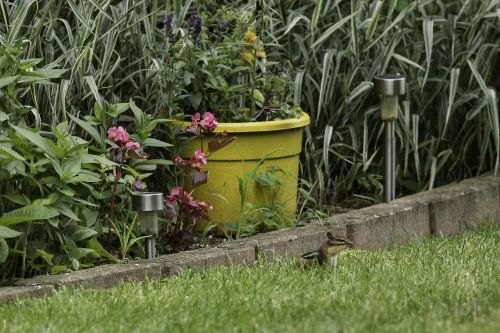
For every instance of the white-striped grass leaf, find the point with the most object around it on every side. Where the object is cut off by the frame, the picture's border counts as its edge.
(79, 16)
(354, 138)
(24, 13)
(320, 177)
(454, 74)
(327, 138)
(415, 139)
(360, 89)
(331, 30)
(315, 16)
(296, 19)
(325, 77)
(354, 32)
(494, 122)
(399, 18)
(299, 78)
(374, 20)
(432, 176)
(428, 31)
(401, 58)
(477, 76)
(94, 89)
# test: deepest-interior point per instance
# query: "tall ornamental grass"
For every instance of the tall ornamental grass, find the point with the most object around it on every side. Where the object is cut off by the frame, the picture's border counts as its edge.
(448, 126)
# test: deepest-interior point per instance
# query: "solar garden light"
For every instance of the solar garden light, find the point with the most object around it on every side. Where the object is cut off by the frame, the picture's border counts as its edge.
(389, 86)
(148, 204)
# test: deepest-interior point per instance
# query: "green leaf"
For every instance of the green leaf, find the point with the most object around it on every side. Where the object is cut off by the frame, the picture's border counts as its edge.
(4, 250)
(19, 199)
(84, 178)
(79, 252)
(116, 109)
(42, 74)
(5, 81)
(28, 213)
(3, 116)
(150, 142)
(78, 233)
(138, 114)
(8, 233)
(7, 151)
(28, 63)
(65, 210)
(71, 168)
(97, 247)
(89, 129)
(153, 162)
(45, 145)
(97, 159)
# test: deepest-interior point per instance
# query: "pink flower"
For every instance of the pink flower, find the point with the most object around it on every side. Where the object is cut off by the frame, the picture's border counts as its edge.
(198, 209)
(198, 160)
(209, 122)
(132, 145)
(118, 134)
(175, 193)
(195, 119)
(180, 163)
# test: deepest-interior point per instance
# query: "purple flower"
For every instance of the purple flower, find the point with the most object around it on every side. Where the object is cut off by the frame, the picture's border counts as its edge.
(195, 24)
(166, 23)
(223, 25)
(138, 185)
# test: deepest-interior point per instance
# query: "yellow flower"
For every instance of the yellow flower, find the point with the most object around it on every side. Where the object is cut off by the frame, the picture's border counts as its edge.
(247, 57)
(250, 36)
(261, 54)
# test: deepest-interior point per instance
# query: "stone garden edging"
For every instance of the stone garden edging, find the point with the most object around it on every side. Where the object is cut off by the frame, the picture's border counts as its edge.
(446, 210)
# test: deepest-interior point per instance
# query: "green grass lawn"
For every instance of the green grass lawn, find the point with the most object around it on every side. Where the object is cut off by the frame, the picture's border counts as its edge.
(438, 285)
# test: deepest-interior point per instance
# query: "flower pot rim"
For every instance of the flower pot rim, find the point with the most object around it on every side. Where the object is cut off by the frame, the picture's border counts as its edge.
(259, 126)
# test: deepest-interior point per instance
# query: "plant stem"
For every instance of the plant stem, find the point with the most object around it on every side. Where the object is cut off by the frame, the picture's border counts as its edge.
(111, 219)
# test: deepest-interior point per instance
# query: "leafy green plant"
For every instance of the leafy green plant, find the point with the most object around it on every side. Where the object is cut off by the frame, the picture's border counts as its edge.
(216, 62)
(271, 216)
(184, 212)
(127, 235)
(49, 198)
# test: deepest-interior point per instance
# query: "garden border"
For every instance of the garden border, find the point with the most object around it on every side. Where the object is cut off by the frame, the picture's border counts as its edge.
(445, 210)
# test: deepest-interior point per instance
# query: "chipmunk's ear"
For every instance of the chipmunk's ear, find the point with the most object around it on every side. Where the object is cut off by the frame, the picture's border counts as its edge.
(330, 235)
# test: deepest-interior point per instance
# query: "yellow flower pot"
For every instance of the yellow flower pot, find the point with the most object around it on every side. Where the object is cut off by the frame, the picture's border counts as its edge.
(279, 142)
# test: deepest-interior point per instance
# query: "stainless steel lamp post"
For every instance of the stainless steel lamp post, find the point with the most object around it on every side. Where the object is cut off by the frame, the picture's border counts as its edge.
(148, 204)
(389, 86)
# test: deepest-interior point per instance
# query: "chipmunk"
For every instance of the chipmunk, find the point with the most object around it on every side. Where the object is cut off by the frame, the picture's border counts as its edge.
(327, 253)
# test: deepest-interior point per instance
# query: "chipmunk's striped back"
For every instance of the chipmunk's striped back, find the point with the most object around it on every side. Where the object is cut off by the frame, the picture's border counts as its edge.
(327, 253)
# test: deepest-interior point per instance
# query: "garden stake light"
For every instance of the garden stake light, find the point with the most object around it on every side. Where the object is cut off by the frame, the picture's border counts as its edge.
(389, 86)
(148, 204)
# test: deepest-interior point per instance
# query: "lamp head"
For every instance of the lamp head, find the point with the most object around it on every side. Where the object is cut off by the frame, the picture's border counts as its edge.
(390, 84)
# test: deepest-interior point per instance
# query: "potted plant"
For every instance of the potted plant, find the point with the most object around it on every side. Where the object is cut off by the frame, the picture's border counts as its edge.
(216, 69)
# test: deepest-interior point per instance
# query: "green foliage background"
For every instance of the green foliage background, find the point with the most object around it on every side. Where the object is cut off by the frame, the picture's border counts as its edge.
(93, 56)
